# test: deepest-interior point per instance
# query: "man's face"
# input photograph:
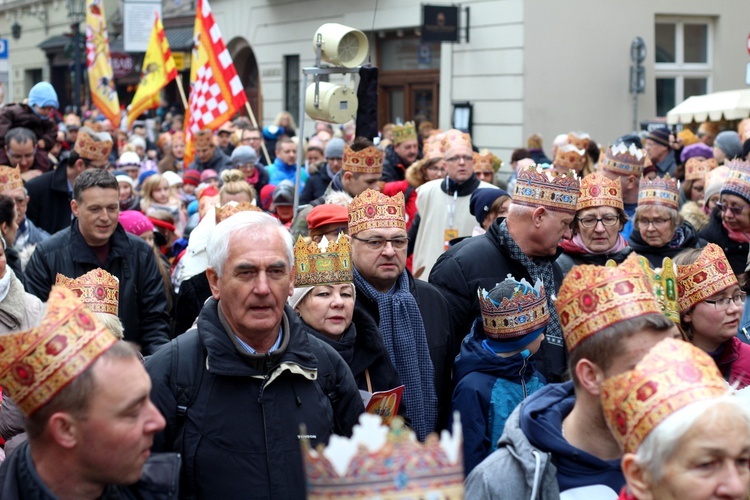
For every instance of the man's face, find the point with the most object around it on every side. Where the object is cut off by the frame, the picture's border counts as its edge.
(204, 152)
(22, 202)
(356, 184)
(97, 214)
(287, 153)
(71, 136)
(315, 156)
(20, 154)
(657, 152)
(120, 423)
(224, 138)
(408, 151)
(140, 131)
(252, 138)
(459, 163)
(256, 283)
(555, 227)
(380, 267)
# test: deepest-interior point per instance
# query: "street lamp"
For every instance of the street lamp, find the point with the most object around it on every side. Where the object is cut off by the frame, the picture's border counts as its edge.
(76, 13)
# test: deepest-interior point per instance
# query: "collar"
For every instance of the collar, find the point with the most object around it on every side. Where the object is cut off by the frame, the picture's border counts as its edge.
(451, 187)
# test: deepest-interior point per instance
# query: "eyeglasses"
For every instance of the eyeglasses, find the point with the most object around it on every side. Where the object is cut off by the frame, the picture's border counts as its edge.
(653, 222)
(608, 221)
(379, 243)
(436, 169)
(723, 303)
(735, 210)
(250, 139)
(457, 159)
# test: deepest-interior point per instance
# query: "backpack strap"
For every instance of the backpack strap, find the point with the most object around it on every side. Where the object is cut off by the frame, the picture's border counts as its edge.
(186, 377)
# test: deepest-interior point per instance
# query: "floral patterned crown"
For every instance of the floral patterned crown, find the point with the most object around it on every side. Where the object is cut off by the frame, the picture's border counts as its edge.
(367, 161)
(10, 178)
(454, 138)
(485, 161)
(94, 146)
(624, 160)
(324, 263)
(97, 289)
(405, 132)
(660, 191)
(598, 190)
(696, 169)
(570, 157)
(230, 208)
(579, 139)
(707, 276)
(525, 312)
(374, 210)
(538, 187)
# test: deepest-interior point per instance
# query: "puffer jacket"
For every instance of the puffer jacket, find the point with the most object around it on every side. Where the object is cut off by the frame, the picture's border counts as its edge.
(316, 184)
(394, 168)
(685, 237)
(735, 251)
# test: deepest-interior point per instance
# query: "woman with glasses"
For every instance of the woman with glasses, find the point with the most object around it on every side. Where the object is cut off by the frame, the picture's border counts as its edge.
(711, 304)
(659, 230)
(692, 191)
(600, 216)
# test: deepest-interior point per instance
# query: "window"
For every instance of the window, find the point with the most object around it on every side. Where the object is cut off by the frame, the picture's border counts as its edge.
(291, 85)
(683, 61)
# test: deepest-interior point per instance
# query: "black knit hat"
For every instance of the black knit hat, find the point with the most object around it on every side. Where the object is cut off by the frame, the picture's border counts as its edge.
(660, 135)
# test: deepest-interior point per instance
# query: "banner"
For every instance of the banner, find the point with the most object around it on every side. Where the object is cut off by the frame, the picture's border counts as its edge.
(101, 80)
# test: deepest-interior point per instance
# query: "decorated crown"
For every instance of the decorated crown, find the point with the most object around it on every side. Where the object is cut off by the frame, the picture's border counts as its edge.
(660, 192)
(433, 148)
(672, 375)
(664, 285)
(367, 161)
(230, 208)
(374, 210)
(326, 263)
(94, 146)
(38, 363)
(403, 133)
(382, 462)
(707, 276)
(455, 138)
(570, 157)
(525, 312)
(579, 140)
(738, 179)
(600, 191)
(624, 160)
(592, 298)
(696, 169)
(97, 289)
(485, 161)
(10, 178)
(538, 187)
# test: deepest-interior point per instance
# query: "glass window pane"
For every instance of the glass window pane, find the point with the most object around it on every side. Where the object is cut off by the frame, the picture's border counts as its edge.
(665, 43)
(408, 54)
(398, 107)
(696, 43)
(665, 95)
(695, 86)
(422, 99)
(291, 83)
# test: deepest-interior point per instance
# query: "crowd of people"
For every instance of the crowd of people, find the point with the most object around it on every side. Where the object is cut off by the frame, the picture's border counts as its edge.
(172, 326)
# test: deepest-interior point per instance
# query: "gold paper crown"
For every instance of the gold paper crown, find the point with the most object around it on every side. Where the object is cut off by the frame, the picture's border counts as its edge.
(707, 276)
(455, 138)
(579, 140)
(624, 160)
(403, 133)
(525, 312)
(38, 363)
(660, 192)
(672, 375)
(230, 208)
(664, 285)
(485, 161)
(94, 146)
(374, 210)
(696, 169)
(570, 157)
(538, 187)
(433, 148)
(367, 161)
(388, 463)
(10, 178)
(592, 298)
(326, 263)
(97, 289)
(598, 190)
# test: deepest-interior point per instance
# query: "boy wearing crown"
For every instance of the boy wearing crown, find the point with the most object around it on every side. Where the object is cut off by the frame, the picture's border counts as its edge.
(493, 372)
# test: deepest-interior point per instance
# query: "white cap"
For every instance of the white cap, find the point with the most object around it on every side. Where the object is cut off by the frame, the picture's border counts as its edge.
(172, 178)
(125, 178)
(129, 158)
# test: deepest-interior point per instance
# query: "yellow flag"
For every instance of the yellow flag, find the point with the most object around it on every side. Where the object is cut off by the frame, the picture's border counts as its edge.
(158, 70)
(99, 64)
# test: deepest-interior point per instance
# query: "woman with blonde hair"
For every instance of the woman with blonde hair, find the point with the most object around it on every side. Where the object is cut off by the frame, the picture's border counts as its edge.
(156, 194)
(285, 120)
(174, 156)
(235, 187)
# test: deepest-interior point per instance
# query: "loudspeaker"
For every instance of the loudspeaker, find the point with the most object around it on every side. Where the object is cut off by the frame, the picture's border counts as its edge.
(341, 45)
(336, 104)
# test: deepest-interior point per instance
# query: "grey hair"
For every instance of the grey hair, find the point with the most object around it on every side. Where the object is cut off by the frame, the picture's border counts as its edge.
(673, 214)
(21, 135)
(94, 177)
(252, 226)
(662, 442)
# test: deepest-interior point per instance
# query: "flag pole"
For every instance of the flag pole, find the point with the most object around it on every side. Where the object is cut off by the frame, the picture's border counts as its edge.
(255, 124)
(178, 81)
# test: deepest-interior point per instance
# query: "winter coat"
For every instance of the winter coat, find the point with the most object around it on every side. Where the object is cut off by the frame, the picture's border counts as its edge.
(190, 300)
(488, 388)
(49, 200)
(685, 237)
(241, 435)
(694, 214)
(143, 300)
(279, 171)
(218, 162)
(394, 167)
(434, 312)
(734, 362)
(21, 115)
(316, 184)
(735, 251)
(574, 256)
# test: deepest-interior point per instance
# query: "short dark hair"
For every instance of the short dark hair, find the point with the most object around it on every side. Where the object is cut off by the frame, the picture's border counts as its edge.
(94, 177)
(283, 140)
(7, 209)
(21, 135)
(519, 154)
(360, 143)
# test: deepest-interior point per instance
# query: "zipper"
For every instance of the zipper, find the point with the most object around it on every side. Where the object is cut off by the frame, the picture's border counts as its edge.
(265, 430)
(523, 381)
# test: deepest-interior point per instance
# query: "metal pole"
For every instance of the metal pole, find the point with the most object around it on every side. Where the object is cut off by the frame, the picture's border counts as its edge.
(300, 145)
(635, 112)
(77, 68)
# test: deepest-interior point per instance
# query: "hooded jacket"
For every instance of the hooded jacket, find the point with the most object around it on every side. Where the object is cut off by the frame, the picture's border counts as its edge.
(685, 237)
(394, 167)
(735, 251)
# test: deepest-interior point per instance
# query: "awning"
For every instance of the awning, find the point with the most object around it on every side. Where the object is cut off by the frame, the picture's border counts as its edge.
(729, 104)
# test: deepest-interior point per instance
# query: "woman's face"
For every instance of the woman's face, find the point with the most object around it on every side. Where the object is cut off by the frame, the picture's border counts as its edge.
(148, 237)
(735, 221)
(711, 202)
(485, 175)
(10, 230)
(600, 237)
(696, 190)
(3, 262)
(655, 225)
(712, 324)
(160, 194)
(436, 171)
(178, 149)
(328, 309)
(125, 191)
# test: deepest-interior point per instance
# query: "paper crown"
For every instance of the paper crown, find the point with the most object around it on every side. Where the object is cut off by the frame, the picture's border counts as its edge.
(598, 190)
(455, 138)
(579, 140)
(485, 161)
(538, 187)
(326, 263)
(707, 276)
(660, 192)
(374, 210)
(94, 146)
(38, 363)
(664, 284)
(433, 148)
(624, 160)
(403, 133)
(672, 375)
(367, 161)
(525, 312)
(10, 178)
(97, 289)
(738, 179)
(570, 157)
(696, 169)
(388, 463)
(592, 298)
(230, 208)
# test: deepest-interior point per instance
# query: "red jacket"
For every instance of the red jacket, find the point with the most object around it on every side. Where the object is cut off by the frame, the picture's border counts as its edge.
(734, 363)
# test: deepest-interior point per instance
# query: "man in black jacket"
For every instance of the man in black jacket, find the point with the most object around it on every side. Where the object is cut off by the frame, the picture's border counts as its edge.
(257, 376)
(97, 240)
(403, 152)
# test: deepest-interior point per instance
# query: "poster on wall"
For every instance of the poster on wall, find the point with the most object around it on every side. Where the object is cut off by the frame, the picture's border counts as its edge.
(138, 22)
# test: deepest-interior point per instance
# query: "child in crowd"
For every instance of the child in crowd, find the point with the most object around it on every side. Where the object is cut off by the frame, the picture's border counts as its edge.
(156, 194)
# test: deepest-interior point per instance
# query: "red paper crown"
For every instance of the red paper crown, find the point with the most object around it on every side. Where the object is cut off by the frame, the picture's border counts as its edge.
(366, 161)
(600, 191)
(374, 210)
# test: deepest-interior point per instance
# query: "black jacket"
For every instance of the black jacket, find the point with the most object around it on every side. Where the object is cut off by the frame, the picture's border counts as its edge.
(736, 252)
(656, 255)
(316, 184)
(242, 432)
(190, 300)
(394, 167)
(49, 200)
(143, 300)
(218, 162)
(435, 317)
